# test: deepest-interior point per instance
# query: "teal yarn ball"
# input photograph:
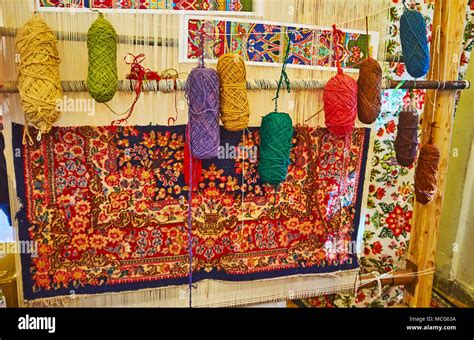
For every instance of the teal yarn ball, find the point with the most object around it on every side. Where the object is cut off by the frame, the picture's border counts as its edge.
(276, 134)
(416, 53)
(102, 47)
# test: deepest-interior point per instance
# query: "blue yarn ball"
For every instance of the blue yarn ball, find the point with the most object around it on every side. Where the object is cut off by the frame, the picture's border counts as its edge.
(416, 53)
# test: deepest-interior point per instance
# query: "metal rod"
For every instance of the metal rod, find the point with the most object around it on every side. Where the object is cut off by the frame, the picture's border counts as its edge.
(255, 84)
(432, 85)
(122, 39)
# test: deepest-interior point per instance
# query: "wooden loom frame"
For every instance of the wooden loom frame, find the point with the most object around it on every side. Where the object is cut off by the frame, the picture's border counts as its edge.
(425, 228)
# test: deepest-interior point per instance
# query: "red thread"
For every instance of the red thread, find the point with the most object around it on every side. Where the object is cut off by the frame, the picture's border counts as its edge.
(196, 165)
(139, 74)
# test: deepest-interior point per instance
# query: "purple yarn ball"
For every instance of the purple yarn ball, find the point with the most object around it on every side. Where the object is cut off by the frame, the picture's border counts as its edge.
(202, 93)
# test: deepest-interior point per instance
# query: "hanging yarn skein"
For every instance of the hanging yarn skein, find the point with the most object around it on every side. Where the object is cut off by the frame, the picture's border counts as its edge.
(406, 142)
(102, 73)
(426, 173)
(276, 134)
(369, 84)
(234, 105)
(415, 50)
(202, 93)
(340, 98)
(39, 84)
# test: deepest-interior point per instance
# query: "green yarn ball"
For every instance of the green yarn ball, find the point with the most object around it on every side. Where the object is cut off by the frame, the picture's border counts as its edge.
(276, 133)
(102, 47)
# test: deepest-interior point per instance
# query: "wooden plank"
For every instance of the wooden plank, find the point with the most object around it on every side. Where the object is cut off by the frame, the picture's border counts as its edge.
(448, 27)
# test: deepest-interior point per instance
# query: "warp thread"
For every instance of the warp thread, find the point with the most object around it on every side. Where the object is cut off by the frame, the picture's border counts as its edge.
(39, 84)
(202, 93)
(426, 173)
(276, 133)
(102, 73)
(406, 142)
(340, 98)
(234, 104)
(415, 50)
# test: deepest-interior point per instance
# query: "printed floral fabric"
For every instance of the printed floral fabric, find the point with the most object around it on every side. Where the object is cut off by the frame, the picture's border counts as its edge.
(265, 43)
(183, 5)
(389, 209)
(108, 209)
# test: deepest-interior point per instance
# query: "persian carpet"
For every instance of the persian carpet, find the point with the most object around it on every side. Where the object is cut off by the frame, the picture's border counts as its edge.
(107, 208)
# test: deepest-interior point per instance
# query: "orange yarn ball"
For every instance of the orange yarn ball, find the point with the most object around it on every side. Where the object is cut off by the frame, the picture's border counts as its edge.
(340, 104)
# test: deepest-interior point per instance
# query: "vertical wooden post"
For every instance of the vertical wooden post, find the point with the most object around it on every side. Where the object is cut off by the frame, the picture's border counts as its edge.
(448, 27)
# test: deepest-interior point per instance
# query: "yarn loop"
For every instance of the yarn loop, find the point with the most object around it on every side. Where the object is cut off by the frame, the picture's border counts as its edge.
(102, 73)
(276, 135)
(340, 104)
(202, 93)
(340, 98)
(369, 85)
(426, 174)
(406, 142)
(39, 84)
(234, 105)
(416, 53)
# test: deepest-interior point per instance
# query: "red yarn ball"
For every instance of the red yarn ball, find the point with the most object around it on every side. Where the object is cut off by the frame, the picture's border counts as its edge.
(340, 104)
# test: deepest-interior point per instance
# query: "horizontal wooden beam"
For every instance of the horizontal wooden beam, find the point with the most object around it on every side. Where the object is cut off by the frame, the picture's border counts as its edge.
(398, 278)
(255, 84)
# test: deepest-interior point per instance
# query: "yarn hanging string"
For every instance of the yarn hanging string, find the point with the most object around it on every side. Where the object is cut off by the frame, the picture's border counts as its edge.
(140, 75)
(39, 84)
(369, 102)
(426, 173)
(340, 97)
(276, 134)
(102, 73)
(414, 41)
(406, 142)
(202, 93)
(234, 105)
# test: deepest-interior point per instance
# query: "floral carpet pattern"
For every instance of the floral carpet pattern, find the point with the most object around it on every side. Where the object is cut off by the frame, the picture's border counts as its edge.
(108, 206)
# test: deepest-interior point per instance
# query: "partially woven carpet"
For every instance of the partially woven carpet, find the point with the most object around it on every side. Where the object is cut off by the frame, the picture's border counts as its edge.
(107, 207)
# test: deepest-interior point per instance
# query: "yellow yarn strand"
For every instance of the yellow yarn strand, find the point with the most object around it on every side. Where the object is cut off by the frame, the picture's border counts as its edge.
(39, 84)
(234, 105)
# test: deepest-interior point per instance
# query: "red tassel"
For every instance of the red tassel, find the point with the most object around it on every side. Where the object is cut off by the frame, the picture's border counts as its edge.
(196, 165)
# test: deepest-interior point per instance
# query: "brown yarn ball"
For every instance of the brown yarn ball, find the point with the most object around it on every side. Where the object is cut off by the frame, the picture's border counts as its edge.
(426, 174)
(369, 102)
(406, 142)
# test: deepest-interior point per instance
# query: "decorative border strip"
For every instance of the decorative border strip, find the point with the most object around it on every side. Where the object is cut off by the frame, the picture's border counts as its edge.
(262, 43)
(215, 7)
